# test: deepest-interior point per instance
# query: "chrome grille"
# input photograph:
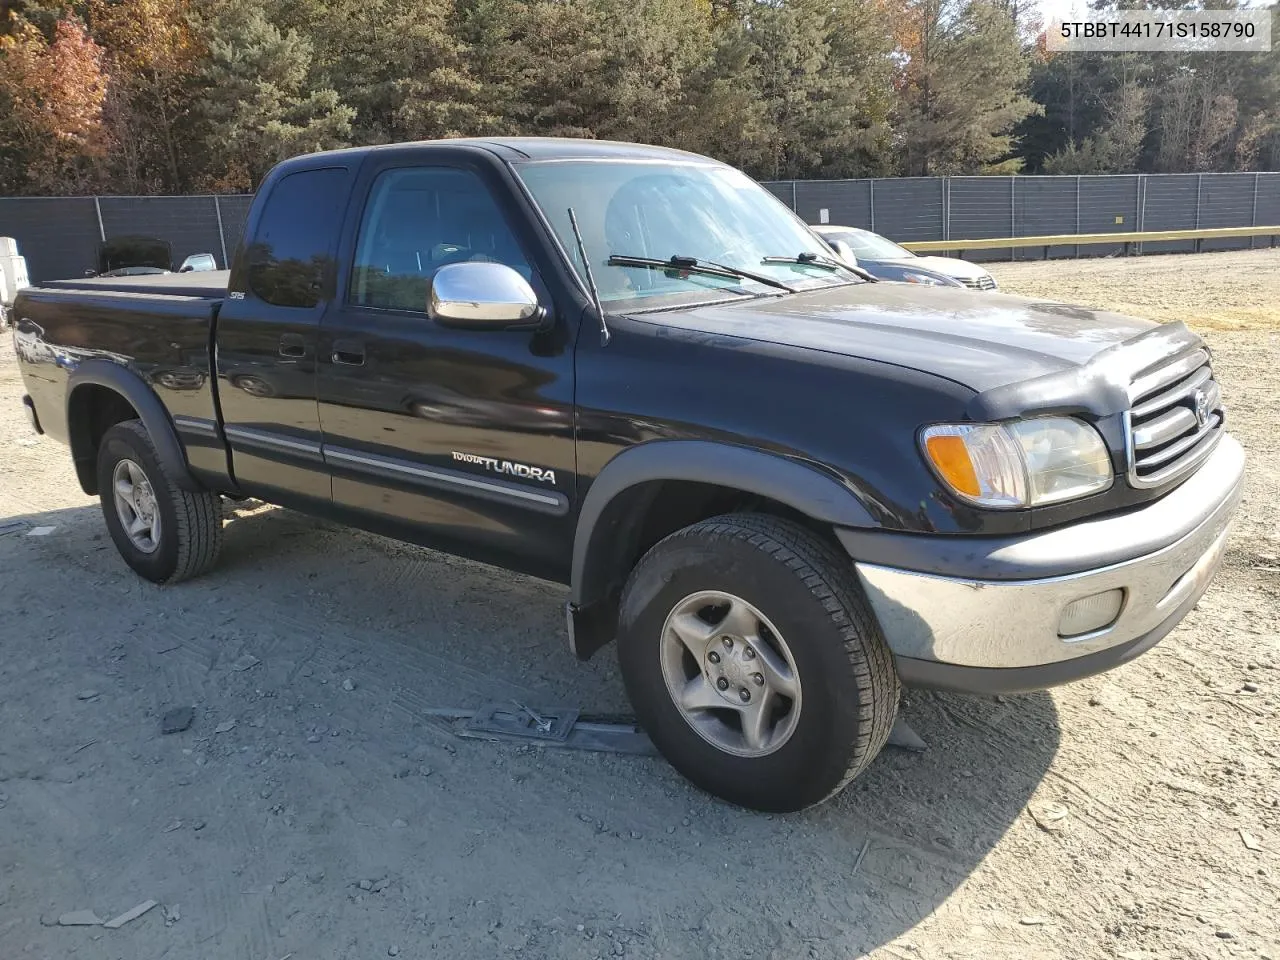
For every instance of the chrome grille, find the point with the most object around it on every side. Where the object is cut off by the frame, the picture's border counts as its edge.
(979, 283)
(1174, 420)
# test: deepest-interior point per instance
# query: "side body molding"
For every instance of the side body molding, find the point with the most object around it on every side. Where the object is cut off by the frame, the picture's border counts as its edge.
(620, 493)
(143, 399)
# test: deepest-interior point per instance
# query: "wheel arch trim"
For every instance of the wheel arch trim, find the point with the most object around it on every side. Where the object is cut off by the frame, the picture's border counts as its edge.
(798, 485)
(151, 411)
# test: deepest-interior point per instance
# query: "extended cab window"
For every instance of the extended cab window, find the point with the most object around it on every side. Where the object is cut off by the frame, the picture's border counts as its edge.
(418, 220)
(291, 255)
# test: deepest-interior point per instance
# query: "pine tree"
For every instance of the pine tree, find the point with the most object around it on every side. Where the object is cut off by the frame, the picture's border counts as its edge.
(253, 107)
(722, 114)
(399, 64)
(540, 64)
(962, 90)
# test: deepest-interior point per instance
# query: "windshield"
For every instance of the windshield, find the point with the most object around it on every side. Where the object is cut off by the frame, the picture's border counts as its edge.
(704, 211)
(869, 246)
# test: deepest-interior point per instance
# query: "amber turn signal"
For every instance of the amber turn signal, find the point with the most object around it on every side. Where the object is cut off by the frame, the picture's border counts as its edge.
(950, 458)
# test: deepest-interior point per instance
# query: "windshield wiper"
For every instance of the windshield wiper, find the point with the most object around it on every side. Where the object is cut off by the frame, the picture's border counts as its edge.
(817, 260)
(694, 265)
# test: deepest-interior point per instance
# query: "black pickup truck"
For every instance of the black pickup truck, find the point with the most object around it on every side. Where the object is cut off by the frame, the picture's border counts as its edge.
(783, 488)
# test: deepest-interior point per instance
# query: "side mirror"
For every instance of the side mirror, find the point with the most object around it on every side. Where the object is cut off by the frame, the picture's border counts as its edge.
(483, 296)
(844, 252)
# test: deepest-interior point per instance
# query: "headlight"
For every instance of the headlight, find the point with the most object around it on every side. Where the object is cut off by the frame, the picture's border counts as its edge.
(919, 278)
(1026, 463)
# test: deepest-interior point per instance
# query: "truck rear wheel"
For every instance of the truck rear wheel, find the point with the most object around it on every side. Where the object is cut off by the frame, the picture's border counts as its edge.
(164, 533)
(753, 663)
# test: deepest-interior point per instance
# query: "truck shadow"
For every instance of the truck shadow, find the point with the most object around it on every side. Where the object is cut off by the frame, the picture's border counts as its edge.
(597, 839)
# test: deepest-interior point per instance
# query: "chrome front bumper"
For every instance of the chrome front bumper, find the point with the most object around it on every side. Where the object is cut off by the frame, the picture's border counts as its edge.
(1162, 556)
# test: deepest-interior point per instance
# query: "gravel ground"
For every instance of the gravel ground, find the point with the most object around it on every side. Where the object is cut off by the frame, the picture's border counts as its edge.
(1210, 291)
(1134, 815)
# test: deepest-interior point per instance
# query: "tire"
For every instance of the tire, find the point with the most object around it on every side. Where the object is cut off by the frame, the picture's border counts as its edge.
(189, 533)
(832, 696)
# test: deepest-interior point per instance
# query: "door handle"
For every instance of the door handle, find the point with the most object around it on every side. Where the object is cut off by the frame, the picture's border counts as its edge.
(350, 352)
(292, 345)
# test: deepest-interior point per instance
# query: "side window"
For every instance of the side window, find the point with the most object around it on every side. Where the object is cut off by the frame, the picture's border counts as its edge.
(290, 256)
(418, 220)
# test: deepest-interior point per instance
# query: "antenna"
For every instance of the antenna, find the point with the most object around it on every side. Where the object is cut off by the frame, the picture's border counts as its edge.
(591, 280)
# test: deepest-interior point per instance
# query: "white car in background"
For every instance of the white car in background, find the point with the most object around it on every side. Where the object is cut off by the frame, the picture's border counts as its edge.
(13, 277)
(883, 257)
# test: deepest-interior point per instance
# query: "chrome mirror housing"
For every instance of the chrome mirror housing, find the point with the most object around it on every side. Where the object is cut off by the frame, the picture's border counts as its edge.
(483, 296)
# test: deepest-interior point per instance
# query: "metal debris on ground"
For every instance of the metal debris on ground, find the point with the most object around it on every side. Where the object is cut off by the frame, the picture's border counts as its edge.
(226, 726)
(40, 531)
(514, 721)
(80, 918)
(1250, 841)
(116, 922)
(1048, 816)
(244, 662)
(517, 720)
(862, 854)
(552, 728)
(904, 738)
(177, 719)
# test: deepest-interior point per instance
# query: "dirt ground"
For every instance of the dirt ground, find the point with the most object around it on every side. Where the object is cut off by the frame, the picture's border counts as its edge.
(1134, 815)
(1210, 291)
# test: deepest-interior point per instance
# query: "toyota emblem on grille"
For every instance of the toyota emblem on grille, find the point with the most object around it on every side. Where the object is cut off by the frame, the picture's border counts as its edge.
(1202, 407)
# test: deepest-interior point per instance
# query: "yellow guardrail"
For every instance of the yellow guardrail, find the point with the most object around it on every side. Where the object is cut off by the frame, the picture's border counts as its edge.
(1084, 239)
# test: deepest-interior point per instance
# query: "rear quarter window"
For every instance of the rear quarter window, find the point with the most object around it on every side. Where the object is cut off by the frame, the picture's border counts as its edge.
(290, 259)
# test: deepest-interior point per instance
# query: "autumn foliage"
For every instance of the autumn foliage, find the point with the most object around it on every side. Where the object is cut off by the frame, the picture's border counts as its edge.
(180, 96)
(52, 94)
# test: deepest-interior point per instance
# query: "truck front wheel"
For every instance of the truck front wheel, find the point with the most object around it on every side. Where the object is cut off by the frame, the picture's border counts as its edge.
(753, 663)
(164, 533)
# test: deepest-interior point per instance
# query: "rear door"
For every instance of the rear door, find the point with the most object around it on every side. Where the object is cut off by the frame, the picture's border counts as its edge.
(461, 439)
(267, 333)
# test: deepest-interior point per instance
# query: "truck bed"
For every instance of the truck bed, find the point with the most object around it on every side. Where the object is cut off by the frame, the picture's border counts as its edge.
(207, 284)
(156, 327)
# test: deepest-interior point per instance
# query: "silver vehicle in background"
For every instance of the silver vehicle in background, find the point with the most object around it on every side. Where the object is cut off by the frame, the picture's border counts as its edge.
(889, 261)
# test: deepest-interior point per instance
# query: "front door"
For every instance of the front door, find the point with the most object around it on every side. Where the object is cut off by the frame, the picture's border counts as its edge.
(267, 333)
(462, 439)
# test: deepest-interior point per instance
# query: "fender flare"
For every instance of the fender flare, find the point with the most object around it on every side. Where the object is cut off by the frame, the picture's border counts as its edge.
(151, 411)
(801, 486)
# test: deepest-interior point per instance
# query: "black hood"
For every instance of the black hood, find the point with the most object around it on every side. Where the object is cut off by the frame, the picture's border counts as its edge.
(982, 340)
